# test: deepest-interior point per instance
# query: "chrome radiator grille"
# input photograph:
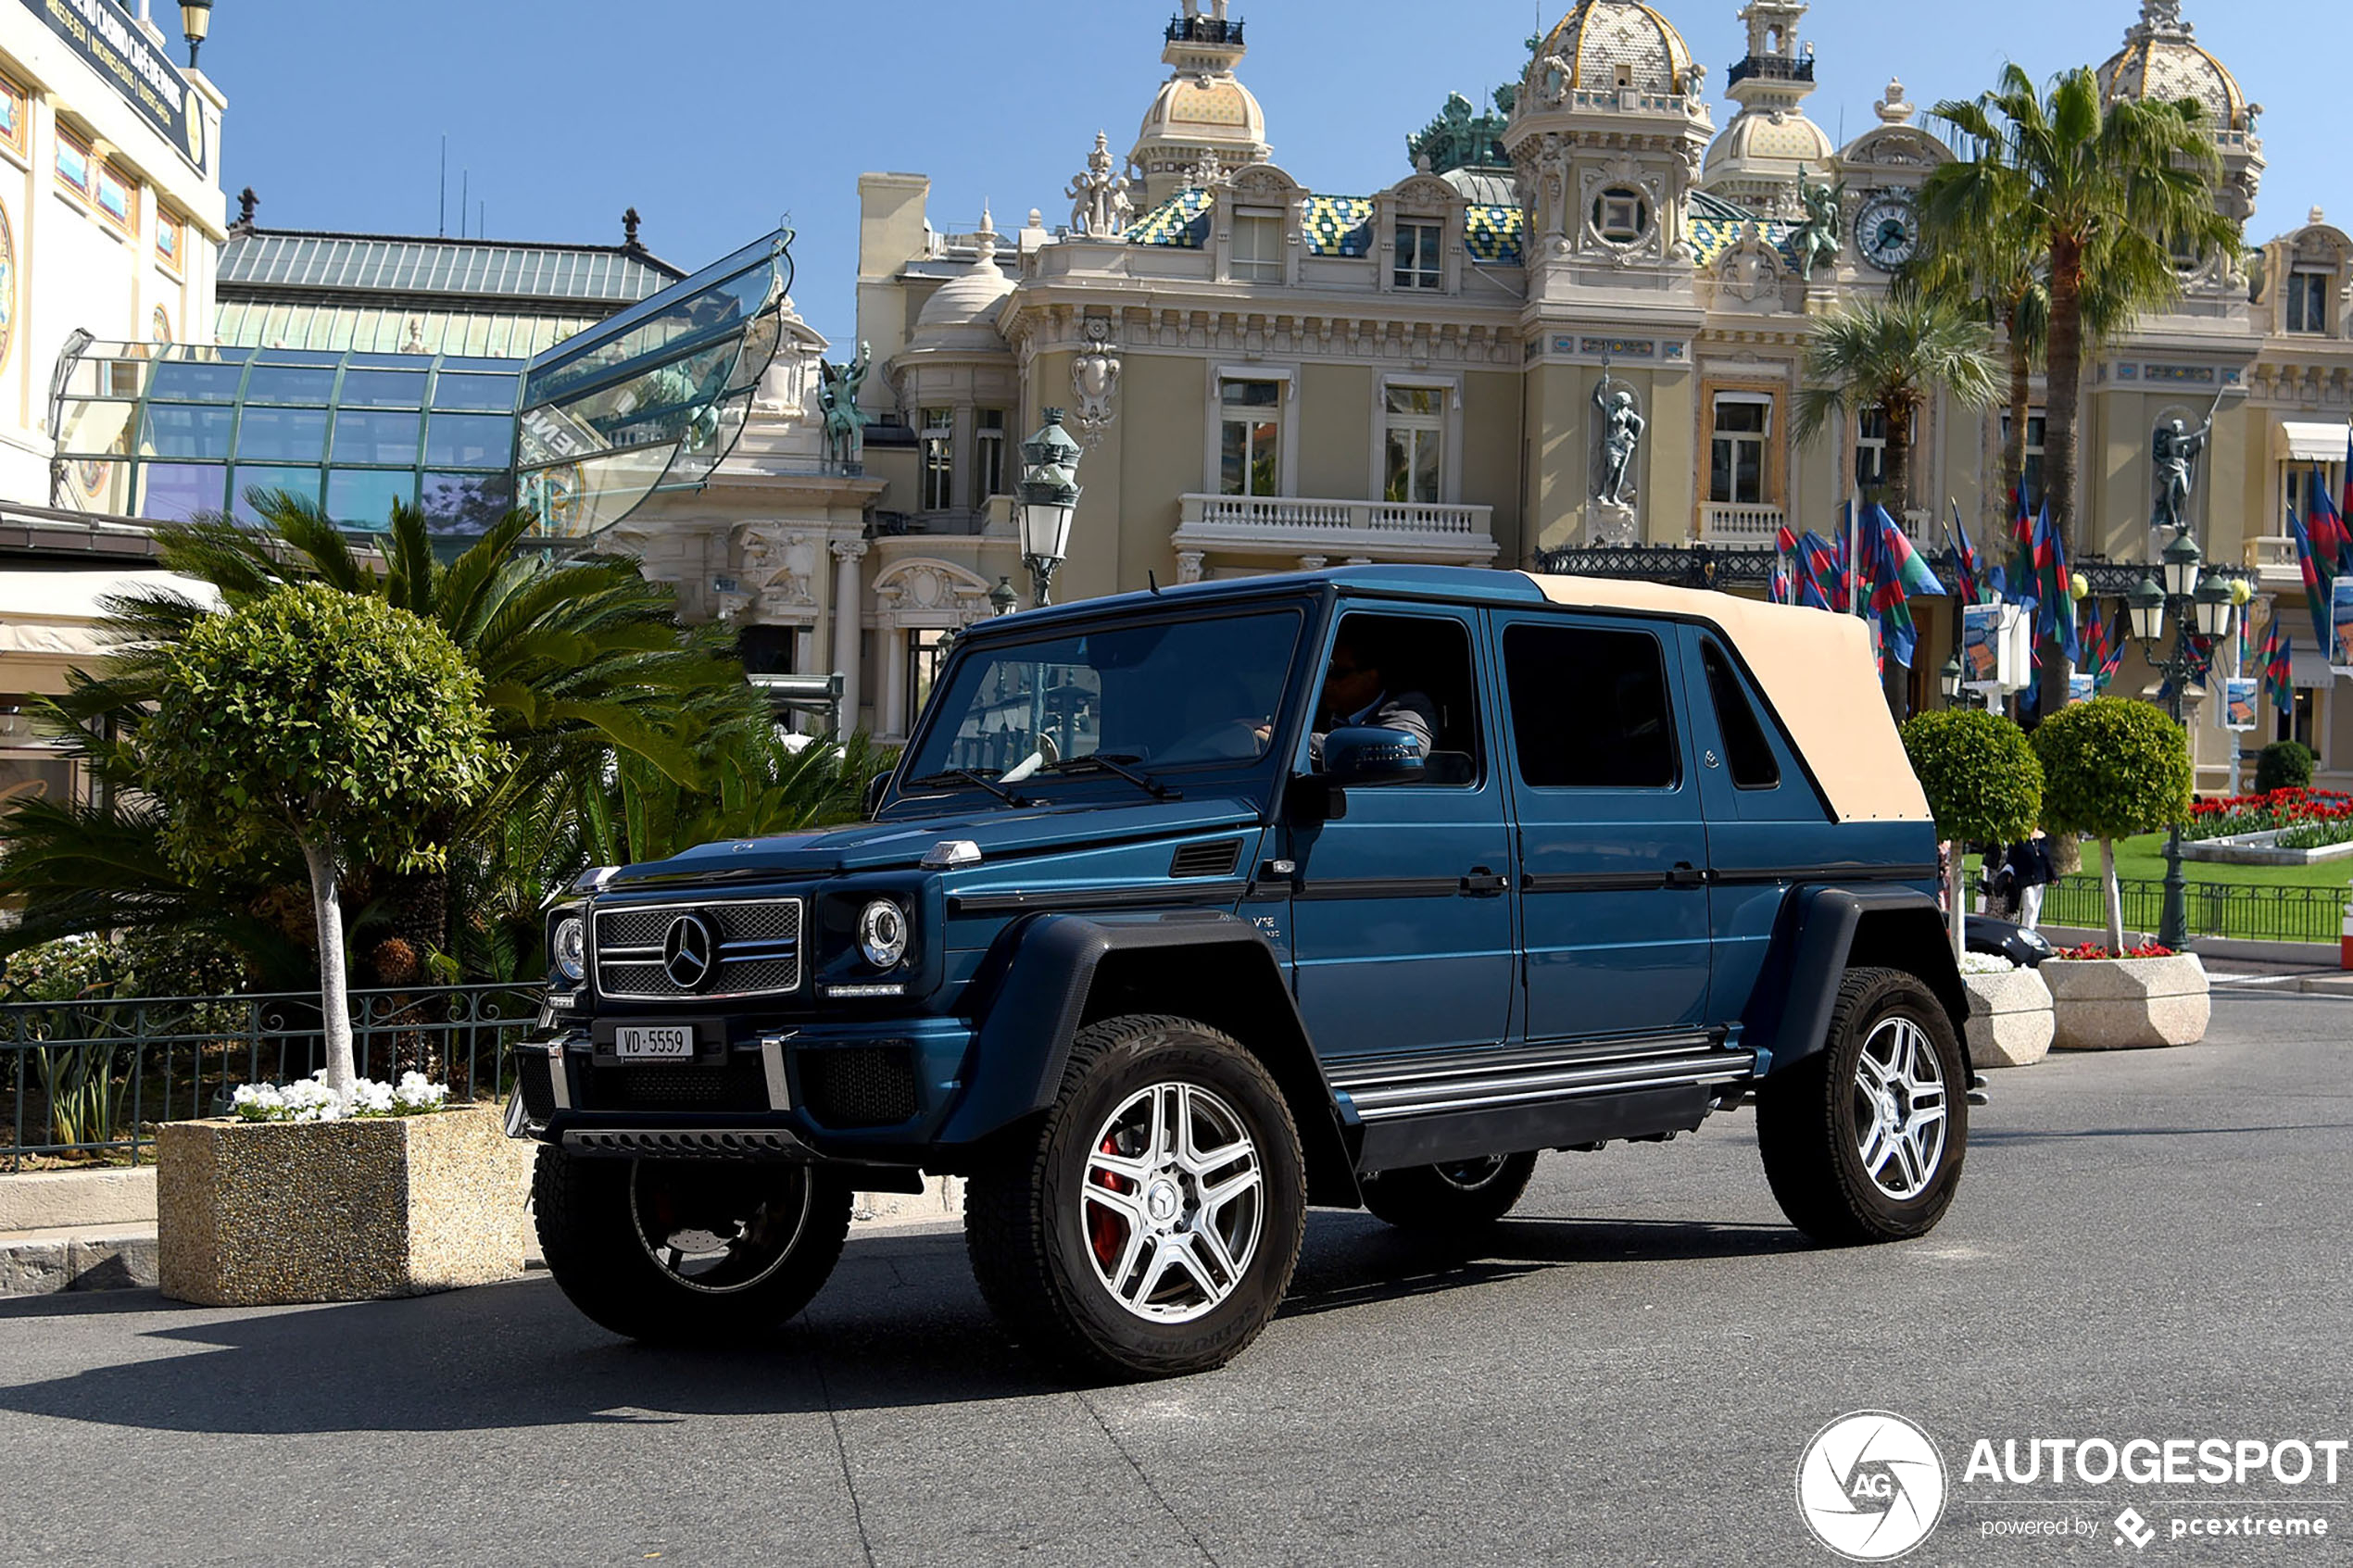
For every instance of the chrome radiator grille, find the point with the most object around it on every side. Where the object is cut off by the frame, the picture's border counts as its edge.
(757, 950)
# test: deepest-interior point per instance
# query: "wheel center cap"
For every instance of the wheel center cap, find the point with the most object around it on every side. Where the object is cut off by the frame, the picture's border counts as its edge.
(1162, 1201)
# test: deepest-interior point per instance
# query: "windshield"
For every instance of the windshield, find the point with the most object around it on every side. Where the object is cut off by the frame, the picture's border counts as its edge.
(1162, 695)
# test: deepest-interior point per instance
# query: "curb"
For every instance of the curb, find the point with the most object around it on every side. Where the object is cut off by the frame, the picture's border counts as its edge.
(45, 1262)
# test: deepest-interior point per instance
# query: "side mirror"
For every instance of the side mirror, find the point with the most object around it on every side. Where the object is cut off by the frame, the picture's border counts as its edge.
(1366, 756)
(877, 787)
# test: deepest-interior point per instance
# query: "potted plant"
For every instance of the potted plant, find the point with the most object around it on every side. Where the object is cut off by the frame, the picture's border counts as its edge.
(336, 722)
(1985, 785)
(2113, 768)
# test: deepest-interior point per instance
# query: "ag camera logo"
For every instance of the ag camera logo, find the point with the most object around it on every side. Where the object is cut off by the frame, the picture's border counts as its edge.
(1872, 1486)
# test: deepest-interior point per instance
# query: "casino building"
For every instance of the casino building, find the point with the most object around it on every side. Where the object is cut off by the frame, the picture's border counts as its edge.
(1266, 374)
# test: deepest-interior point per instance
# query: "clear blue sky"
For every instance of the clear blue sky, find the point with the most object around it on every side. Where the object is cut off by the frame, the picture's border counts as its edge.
(714, 119)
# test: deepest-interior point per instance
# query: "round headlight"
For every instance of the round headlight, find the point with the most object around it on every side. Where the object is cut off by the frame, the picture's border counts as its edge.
(882, 933)
(571, 947)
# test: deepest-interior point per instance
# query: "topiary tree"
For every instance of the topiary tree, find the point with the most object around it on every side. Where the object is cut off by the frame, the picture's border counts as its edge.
(2112, 767)
(332, 720)
(2284, 764)
(1983, 784)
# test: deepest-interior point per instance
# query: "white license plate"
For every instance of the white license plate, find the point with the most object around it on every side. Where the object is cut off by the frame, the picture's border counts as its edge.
(654, 1042)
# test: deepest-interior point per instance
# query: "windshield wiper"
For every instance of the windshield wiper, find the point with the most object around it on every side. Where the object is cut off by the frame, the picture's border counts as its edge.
(967, 775)
(1111, 764)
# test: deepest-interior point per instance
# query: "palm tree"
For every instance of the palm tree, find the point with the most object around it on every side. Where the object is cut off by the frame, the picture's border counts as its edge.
(580, 660)
(2091, 188)
(1894, 356)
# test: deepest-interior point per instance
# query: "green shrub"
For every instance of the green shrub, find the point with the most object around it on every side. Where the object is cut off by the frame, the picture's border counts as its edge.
(1983, 782)
(2284, 764)
(2113, 768)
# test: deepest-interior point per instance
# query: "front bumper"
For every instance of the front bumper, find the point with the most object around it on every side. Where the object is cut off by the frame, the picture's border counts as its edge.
(864, 1092)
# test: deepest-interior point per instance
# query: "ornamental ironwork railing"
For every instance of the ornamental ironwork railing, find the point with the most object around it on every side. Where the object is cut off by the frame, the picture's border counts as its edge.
(94, 1076)
(2216, 909)
(1204, 30)
(1772, 67)
(1693, 566)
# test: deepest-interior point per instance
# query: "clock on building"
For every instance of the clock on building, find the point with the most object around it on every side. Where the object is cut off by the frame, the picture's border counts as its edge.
(1888, 233)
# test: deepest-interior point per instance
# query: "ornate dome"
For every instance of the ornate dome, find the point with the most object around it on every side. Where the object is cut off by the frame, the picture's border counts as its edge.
(1602, 37)
(1770, 143)
(2161, 60)
(962, 313)
(1213, 111)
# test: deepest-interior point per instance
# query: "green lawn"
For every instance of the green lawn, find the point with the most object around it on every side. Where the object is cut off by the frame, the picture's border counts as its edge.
(2145, 857)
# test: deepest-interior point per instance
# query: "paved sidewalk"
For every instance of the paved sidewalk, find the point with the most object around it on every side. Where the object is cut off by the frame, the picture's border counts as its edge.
(2145, 1243)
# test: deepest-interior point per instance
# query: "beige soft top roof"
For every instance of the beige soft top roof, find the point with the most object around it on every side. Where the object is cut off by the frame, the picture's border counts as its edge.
(1815, 670)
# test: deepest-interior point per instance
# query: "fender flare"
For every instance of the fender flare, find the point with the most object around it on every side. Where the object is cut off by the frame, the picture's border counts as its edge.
(1820, 932)
(1044, 975)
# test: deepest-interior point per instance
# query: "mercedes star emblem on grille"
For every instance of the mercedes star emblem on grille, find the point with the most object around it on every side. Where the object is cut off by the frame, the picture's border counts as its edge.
(687, 952)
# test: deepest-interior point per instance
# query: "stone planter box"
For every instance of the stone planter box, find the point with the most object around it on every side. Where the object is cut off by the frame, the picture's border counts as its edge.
(2128, 1004)
(2259, 850)
(2011, 1023)
(262, 1213)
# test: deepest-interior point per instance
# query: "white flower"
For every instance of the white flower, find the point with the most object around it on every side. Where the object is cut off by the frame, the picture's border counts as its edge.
(258, 1102)
(311, 1100)
(414, 1095)
(371, 1099)
(1985, 963)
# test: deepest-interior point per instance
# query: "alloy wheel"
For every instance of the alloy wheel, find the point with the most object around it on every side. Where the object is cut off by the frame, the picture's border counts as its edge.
(1900, 1104)
(1173, 1202)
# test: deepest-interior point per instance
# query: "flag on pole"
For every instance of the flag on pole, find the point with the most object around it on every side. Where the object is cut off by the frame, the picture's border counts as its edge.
(1817, 571)
(2022, 557)
(2113, 660)
(1896, 573)
(1965, 561)
(2319, 581)
(2051, 582)
(2332, 546)
(2278, 669)
(2094, 637)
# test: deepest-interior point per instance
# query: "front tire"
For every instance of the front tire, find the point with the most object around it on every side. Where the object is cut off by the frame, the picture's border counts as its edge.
(687, 1252)
(1146, 1225)
(1459, 1195)
(1863, 1141)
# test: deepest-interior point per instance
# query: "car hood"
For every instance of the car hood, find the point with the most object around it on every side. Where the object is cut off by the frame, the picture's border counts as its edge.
(999, 833)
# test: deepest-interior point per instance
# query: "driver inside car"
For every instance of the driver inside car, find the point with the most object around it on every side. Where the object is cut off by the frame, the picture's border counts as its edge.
(1356, 694)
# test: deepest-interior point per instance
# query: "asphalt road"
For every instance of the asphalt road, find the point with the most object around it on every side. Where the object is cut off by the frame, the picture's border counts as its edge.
(2149, 1245)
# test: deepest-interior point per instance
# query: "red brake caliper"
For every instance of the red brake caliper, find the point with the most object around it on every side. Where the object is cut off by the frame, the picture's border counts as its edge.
(1105, 1231)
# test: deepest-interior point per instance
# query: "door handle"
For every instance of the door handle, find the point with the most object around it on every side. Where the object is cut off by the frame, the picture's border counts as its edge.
(1483, 884)
(1685, 875)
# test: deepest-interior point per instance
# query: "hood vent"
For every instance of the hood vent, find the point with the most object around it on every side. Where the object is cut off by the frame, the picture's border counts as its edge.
(1207, 859)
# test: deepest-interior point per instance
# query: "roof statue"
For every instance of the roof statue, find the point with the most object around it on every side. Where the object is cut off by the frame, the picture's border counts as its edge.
(845, 422)
(1816, 240)
(1100, 204)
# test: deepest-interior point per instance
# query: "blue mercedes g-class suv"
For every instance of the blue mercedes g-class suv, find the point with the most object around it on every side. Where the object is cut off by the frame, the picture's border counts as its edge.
(1185, 911)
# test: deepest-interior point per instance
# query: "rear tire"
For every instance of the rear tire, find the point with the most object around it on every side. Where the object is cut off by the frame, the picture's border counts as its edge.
(688, 1251)
(1146, 1225)
(1864, 1140)
(1457, 1195)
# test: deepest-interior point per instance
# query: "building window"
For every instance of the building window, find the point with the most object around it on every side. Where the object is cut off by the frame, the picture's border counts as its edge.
(1621, 215)
(172, 239)
(988, 453)
(14, 116)
(74, 164)
(2308, 302)
(2308, 486)
(1251, 438)
(2031, 469)
(1258, 250)
(939, 460)
(116, 198)
(926, 651)
(2299, 725)
(1418, 262)
(1736, 455)
(1417, 417)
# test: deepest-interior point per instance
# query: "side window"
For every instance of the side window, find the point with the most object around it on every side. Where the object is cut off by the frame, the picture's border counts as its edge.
(1591, 708)
(1411, 672)
(1746, 751)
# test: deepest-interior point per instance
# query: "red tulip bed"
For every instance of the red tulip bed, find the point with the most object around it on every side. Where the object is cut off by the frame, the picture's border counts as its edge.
(2306, 819)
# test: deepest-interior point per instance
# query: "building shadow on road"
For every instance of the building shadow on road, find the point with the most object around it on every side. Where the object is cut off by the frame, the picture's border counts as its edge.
(899, 1325)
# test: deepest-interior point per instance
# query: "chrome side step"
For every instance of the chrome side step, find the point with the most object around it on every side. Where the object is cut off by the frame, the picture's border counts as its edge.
(688, 1143)
(1480, 1086)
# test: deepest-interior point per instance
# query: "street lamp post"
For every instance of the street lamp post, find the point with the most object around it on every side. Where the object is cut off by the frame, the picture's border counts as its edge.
(1049, 498)
(196, 24)
(2201, 606)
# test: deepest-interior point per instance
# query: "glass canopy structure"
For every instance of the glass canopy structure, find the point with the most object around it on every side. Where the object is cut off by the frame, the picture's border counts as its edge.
(652, 398)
